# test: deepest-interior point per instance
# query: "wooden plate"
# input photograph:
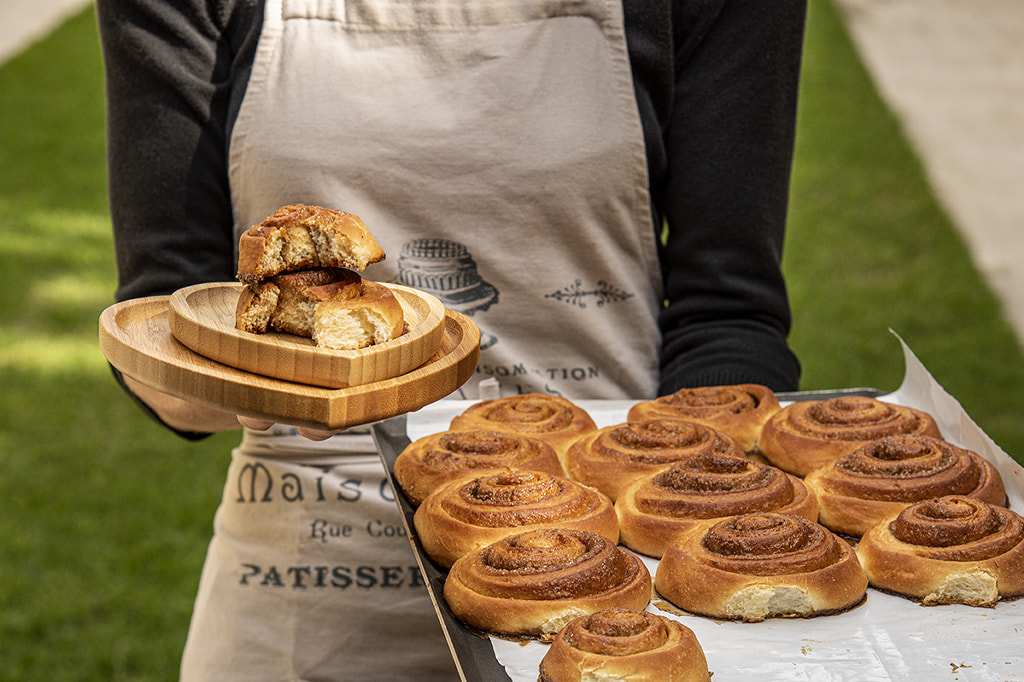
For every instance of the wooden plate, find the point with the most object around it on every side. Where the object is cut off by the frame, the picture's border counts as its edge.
(203, 318)
(136, 338)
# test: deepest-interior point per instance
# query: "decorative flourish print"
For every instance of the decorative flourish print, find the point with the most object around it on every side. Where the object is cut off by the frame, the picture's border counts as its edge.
(576, 295)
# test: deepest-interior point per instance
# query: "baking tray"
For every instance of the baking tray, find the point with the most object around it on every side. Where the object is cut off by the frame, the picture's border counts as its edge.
(886, 638)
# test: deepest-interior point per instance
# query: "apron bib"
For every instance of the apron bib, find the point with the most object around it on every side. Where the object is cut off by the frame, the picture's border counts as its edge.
(494, 149)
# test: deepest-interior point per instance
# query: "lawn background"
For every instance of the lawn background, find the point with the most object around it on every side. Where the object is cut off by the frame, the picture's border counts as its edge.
(106, 517)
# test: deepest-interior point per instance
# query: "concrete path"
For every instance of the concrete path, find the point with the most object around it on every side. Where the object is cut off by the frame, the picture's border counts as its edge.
(951, 70)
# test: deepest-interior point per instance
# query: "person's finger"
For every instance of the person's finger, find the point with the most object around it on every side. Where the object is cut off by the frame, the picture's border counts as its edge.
(254, 424)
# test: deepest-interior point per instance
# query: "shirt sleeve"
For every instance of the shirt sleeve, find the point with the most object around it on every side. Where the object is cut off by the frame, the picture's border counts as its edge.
(728, 145)
(171, 79)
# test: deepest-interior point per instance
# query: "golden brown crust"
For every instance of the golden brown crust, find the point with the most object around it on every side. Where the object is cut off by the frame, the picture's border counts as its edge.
(947, 550)
(553, 419)
(352, 317)
(430, 461)
(809, 434)
(739, 410)
(761, 565)
(625, 644)
(611, 457)
(464, 515)
(531, 584)
(701, 490)
(301, 237)
(882, 477)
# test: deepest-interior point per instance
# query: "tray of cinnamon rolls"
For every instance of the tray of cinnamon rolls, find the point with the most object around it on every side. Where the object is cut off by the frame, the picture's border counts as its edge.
(723, 531)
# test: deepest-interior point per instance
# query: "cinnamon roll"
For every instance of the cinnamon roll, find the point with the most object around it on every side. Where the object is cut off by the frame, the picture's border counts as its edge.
(611, 457)
(700, 490)
(553, 419)
(739, 411)
(461, 516)
(438, 458)
(882, 477)
(531, 584)
(761, 565)
(625, 644)
(947, 550)
(813, 433)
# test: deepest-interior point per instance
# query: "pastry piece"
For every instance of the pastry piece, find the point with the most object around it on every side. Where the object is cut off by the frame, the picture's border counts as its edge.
(531, 584)
(739, 411)
(553, 419)
(462, 516)
(349, 318)
(625, 644)
(883, 476)
(701, 490)
(301, 237)
(282, 303)
(947, 550)
(611, 457)
(761, 565)
(432, 460)
(813, 433)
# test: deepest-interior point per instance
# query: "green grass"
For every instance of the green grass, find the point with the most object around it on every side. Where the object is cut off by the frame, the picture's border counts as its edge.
(106, 517)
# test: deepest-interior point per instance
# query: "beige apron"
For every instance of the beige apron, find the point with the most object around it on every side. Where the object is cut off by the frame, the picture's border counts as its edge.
(495, 150)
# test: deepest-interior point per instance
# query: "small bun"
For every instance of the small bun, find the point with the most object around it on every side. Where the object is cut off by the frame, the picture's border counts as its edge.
(611, 457)
(464, 515)
(430, 461)
(806, 435)
(947, 550)
(739, 411)
(701, 490)
(352, 317)
(625, 644)
(882, 477)
(301, 237)
(531, 584)
(762, 565)
(553, 419)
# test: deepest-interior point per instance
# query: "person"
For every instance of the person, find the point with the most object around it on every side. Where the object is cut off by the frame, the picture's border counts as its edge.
(601, 185)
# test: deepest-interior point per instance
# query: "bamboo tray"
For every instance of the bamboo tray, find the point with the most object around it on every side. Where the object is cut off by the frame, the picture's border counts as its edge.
(136, 338)
(202, 317)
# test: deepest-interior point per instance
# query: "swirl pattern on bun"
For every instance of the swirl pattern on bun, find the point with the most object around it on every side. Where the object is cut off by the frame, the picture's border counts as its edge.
(613, 456)
(553, 419)
(625, 644)
(531, 584)
(761, 565)
(464, 515)
(947, 550)
(806, 435)
(739, 410)
(699, 491)
(881, 477)
(432, 460)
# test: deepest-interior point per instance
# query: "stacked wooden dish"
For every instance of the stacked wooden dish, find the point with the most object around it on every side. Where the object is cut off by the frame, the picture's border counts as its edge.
(187, 345)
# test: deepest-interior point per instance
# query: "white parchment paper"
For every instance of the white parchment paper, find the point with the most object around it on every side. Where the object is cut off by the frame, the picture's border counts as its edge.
(886, 638)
